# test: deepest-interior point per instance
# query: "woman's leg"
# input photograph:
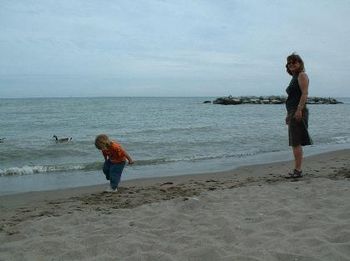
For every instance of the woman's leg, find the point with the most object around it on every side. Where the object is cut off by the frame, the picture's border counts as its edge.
(298, 157)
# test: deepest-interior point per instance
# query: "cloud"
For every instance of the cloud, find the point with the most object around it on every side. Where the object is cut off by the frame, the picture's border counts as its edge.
(149, 45)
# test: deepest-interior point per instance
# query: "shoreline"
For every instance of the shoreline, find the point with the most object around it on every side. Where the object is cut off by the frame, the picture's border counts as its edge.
(44, 183)
(314, 165)
(239, 171)
(249, 213)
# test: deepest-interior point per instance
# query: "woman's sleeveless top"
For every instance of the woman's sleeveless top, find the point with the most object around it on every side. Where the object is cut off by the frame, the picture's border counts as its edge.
(294, 94)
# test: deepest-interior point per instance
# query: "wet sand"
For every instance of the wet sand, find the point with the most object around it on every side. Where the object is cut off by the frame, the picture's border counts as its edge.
(250, 213)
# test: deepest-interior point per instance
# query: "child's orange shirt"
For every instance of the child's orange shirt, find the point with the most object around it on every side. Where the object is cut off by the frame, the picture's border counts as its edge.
(115, 153)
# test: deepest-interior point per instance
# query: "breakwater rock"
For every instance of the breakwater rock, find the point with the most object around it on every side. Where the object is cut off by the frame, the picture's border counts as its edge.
(230, 100)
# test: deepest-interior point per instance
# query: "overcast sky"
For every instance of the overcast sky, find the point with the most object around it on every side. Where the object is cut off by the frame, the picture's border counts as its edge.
(171, 47)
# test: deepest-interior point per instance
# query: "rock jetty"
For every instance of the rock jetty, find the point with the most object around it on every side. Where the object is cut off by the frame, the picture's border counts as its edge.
(268, 100)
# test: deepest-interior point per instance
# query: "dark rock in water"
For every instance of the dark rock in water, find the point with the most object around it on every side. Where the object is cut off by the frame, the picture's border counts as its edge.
(228, 100)
(319, 100)
(207, 102)
(269, 100)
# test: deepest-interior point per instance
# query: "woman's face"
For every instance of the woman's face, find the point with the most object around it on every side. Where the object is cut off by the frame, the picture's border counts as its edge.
(293, 66)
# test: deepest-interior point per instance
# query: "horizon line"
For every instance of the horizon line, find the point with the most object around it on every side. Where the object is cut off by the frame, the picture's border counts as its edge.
(73, 97)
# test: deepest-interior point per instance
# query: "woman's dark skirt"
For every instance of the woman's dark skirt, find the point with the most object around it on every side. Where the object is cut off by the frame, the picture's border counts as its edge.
(298, 130)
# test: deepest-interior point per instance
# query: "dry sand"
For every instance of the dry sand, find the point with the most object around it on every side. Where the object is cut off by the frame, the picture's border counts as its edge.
(251, 213)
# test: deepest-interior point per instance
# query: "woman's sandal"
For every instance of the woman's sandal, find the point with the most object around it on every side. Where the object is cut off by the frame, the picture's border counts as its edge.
(295, 174)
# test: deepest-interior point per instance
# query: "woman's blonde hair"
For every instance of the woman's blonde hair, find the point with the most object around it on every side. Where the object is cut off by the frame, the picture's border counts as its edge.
(295, 58)
(102, 141)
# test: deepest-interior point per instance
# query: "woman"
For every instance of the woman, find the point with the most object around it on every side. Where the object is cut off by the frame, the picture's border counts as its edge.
(297, 113)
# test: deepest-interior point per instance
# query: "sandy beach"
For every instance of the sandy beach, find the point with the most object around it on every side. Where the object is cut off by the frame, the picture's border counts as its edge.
(250, 213)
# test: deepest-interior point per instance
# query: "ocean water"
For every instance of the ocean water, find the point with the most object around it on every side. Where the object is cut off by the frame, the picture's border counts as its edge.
(165, 136)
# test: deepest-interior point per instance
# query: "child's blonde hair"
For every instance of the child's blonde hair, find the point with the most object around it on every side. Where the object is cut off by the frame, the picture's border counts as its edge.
(102, 141)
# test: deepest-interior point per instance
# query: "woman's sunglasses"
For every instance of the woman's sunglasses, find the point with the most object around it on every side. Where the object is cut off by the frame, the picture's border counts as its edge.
(292, 62)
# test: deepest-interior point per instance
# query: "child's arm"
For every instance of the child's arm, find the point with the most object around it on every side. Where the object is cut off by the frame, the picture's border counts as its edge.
(128, 158)
(104, 155)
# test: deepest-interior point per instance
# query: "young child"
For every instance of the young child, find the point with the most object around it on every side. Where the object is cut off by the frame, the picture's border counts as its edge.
(115, 160)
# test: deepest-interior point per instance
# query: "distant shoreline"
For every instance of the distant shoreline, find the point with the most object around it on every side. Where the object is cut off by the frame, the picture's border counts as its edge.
(230, 100)
(111, 97)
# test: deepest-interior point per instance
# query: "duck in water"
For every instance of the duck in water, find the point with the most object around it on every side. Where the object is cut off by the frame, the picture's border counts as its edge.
(61, 140)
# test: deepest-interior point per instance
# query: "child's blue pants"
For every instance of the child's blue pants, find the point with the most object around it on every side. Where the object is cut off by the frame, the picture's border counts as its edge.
(113, 172)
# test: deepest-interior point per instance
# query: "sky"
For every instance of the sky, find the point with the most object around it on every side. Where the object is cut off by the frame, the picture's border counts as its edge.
(180, 48)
